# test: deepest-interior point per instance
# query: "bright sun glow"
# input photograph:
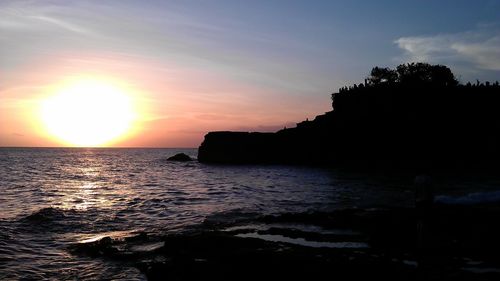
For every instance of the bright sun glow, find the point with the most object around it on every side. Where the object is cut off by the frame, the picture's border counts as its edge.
(88, 112)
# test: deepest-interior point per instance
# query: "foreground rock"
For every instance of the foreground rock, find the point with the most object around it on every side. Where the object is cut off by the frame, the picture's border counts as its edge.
(460, 243)
(180, 157)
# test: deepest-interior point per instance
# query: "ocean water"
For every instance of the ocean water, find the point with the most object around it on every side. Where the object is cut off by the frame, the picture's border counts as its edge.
(51, 198)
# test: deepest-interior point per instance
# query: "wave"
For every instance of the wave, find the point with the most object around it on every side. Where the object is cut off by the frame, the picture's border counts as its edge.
(229, 217)
(470, 199)
(48, 214)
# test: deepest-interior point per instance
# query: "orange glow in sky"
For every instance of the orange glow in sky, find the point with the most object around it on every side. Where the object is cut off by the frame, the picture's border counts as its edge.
(107, 100)
(164, 74)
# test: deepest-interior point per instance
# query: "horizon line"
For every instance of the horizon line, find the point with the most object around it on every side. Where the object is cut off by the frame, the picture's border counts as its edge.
(101, 147)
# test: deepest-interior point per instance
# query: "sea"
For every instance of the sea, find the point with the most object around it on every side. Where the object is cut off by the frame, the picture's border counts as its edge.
(52, 198)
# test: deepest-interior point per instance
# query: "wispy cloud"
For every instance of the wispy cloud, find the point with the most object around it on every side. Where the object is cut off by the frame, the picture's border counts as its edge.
(484, 54)
(478, 49)
(26, 16)
(424, 48)
(61, 23)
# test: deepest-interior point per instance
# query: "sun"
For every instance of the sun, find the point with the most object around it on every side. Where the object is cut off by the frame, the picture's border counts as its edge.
(87, 112)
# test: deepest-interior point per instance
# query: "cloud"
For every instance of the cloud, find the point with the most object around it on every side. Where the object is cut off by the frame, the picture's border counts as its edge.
(479, 48)
(485, 55)
(27, 17)
(61, 23)
(423, 48)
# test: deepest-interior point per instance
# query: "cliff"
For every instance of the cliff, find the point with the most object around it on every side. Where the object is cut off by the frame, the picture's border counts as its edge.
(237, 147)
(399, 125)
(308, 143)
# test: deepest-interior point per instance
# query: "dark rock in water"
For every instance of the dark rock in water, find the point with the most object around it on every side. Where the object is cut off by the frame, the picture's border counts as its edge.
(181, 157)
(462, 245)
(219, 256)
(99, 247)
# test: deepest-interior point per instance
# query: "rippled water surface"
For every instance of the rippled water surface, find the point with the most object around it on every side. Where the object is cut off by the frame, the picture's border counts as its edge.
(51, 198)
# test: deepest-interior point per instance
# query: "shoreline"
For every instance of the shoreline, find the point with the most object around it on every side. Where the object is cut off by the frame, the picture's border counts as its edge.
(359, 243)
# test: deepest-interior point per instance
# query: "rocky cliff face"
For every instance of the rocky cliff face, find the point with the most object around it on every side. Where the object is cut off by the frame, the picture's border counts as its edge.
(238, 147)
(308, 143)
(380, 126)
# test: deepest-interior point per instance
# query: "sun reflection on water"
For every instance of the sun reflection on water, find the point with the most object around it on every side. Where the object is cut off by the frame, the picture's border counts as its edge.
(86, 189)
(82, 198)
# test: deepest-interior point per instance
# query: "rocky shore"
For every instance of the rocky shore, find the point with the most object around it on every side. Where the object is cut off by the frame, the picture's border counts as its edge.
(458, 243)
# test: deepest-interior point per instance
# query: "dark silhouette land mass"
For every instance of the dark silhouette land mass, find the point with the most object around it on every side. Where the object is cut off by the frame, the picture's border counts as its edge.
(415, 116)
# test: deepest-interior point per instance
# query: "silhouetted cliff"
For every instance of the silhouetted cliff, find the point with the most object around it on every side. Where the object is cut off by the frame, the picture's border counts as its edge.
(419, 117)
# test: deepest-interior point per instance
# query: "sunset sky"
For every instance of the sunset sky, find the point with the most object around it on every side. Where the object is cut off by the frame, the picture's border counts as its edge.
(188, 67)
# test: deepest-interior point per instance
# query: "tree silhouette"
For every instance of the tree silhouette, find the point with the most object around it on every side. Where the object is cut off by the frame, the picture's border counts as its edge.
(382, 75)
(424, 74)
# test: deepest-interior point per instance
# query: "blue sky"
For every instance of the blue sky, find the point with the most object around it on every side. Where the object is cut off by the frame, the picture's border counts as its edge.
(346, 38)
(278, 60)
(330, 38)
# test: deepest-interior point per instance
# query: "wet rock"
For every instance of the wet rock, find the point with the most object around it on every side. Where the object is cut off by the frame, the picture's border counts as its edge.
(101, 247)
(181, 157)
(147, 247)
(142, 236)
(240, 252)
(213, 255)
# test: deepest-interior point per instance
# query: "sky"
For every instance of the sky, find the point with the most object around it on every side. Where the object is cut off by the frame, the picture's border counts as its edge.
(191, 67)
